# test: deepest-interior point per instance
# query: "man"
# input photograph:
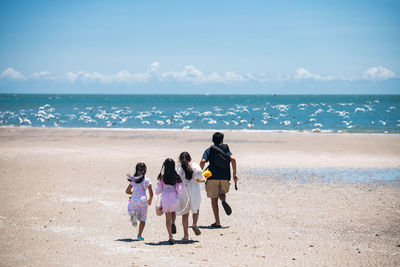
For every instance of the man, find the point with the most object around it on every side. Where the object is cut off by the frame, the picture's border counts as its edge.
(220, 158)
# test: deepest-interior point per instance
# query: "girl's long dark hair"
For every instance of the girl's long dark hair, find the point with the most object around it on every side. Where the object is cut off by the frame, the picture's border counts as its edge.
(184, 159)
(140, 171)
(170, 176)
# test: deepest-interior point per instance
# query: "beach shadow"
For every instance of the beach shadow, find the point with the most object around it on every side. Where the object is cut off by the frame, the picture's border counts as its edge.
(166, 243)
(213, 228)
(127, 240)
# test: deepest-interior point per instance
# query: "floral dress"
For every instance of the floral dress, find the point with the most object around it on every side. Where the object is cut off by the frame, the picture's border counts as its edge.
(169, 196)
(138, 202)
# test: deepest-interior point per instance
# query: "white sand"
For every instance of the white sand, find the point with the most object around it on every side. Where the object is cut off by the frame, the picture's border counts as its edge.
(62, 201)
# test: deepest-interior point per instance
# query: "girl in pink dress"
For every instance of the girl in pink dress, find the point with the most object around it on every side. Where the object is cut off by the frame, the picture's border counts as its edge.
(169, 186)
(138, 202)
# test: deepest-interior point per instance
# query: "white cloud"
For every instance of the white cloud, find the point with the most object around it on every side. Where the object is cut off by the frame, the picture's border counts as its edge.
(191, 74)
(119, 77)
(44, 75)
(12, 74)
(263, 78)
(379, 72)
(303, 74)
(123, 76)
(233, 76)
(72, 77)
(155, 66)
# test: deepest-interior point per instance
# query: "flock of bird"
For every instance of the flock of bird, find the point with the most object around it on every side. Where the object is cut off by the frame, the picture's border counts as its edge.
(289, 116)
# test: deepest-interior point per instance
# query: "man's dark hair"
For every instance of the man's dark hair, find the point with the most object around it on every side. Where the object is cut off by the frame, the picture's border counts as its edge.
(217, 138)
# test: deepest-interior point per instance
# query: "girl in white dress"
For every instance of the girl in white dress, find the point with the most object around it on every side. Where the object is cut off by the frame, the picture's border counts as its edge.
(191, 175)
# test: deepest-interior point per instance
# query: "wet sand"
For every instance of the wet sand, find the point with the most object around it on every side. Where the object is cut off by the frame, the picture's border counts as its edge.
(62, 200)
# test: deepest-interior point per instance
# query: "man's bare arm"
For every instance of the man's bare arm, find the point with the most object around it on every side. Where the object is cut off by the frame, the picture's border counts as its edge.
(202, 163)
(233, 161)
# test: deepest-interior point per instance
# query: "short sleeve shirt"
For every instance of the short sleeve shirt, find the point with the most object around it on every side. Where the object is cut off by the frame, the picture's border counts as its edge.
(139, 190)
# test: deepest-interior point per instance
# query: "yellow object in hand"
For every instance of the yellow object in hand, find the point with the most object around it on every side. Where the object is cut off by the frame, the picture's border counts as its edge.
(207, 174)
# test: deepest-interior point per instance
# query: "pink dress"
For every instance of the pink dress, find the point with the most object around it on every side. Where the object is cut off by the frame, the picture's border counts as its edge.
(138, 202)
(169, 196)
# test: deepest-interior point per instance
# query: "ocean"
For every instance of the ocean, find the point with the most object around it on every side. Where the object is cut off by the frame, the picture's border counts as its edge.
(313, 113)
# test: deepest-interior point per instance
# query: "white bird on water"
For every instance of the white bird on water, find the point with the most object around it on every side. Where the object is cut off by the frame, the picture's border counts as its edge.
(45, 106)
(123, 120)
(359, 109)
(21, 121)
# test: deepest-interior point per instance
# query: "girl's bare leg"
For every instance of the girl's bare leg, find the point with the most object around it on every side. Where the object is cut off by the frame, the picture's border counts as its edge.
(173, 217)
(196, 229)
(195, 218)
(141, 227)
(168, 223)
(185, 223)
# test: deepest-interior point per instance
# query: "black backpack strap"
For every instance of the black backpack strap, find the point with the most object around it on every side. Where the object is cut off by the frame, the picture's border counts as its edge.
(219, 150)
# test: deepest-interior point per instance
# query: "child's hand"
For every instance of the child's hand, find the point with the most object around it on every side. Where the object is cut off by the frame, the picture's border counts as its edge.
(149, 202)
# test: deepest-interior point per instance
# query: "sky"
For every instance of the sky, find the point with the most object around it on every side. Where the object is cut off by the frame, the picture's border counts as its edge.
(200, 47)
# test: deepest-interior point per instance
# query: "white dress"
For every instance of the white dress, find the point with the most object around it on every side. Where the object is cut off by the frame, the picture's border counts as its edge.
(190, 194)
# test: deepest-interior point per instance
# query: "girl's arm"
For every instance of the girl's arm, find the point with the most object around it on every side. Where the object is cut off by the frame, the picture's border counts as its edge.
(151, 195)
(129, 189)
(159, 187)
(178, 189)
(198, 173)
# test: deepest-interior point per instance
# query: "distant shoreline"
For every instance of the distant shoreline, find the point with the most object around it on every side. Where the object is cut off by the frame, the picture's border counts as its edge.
(206, 130)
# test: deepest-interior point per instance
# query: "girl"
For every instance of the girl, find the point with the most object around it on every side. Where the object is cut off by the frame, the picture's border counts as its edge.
(191, 175)
(137, 207)
(169, 186)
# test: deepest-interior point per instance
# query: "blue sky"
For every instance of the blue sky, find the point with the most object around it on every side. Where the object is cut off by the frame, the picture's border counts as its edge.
(240, 47)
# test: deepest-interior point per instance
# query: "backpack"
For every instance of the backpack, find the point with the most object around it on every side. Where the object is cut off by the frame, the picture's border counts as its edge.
(220, 158)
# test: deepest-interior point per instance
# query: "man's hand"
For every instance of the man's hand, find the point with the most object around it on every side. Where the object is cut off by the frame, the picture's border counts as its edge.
(235, 178)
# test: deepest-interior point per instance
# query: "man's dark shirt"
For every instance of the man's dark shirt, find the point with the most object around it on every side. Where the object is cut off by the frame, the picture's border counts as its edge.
(218, 173)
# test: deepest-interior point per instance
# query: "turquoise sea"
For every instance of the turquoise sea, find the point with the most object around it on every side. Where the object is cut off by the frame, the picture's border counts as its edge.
(314, 113)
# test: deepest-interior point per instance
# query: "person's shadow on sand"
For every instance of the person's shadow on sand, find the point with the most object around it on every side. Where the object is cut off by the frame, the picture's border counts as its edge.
(166, 243)
(127, 240)
(213, 228)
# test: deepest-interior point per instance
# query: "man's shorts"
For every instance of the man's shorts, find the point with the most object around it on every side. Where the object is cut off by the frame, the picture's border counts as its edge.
(217, 187)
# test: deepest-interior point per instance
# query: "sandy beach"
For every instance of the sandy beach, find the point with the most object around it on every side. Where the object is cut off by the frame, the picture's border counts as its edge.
(63, 200)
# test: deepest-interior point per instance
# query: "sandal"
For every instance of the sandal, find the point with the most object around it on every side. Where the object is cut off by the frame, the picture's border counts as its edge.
(140, 238)
(227, 208)
(214, 225)
(196, 230)
(171, 241)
